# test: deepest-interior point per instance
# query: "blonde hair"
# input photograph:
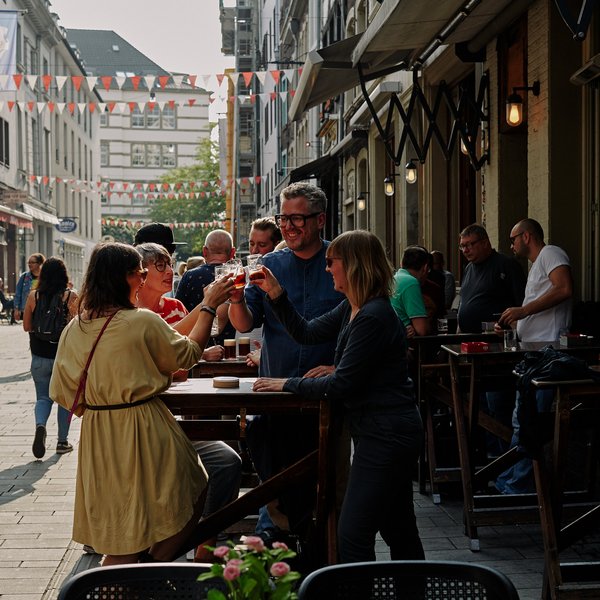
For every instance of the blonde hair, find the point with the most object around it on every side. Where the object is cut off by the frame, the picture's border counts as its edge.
(369, 273)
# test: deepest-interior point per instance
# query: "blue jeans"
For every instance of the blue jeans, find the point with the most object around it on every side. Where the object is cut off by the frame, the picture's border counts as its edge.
(519, 479)
(41, 371)
(224, 468)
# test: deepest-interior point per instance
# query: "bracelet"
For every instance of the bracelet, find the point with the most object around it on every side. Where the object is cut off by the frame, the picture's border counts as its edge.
(238, 302)
(208, 309)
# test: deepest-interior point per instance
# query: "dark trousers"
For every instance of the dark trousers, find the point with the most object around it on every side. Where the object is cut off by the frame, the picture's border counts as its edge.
(379, 496)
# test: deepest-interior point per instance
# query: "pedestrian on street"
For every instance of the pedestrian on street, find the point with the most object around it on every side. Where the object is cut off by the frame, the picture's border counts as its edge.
(51, 291)
(27, 282)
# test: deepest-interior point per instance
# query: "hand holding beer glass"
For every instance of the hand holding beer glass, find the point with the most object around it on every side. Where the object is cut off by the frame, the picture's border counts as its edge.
(255, 272)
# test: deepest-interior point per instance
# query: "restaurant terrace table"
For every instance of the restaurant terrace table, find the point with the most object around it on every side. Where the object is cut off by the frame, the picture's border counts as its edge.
(577, 409)
(432, 382)
(236, 367)
(196, 396)
(471, 374)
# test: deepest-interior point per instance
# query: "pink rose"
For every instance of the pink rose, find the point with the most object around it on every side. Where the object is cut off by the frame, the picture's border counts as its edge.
(234, 562)
(279, 569)
(221, 551)
(231, 572)
(254, 543)
(280, 546)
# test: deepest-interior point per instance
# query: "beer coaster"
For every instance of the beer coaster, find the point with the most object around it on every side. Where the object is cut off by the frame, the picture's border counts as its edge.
(226, 382)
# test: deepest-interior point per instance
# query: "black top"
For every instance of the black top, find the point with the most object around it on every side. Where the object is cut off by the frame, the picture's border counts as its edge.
(371, 371)
(45, 348)
(488, 288)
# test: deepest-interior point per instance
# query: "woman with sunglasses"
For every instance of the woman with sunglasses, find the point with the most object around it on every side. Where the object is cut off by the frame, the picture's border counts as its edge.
(371, 381)
(159, 281)
(140, 488)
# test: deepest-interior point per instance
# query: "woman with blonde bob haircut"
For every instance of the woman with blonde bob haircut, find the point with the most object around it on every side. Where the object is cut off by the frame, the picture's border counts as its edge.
(371, 380)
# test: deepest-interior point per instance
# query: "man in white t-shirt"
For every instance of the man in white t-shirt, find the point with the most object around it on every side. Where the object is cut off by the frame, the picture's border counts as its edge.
(545, 311)
(546, 308)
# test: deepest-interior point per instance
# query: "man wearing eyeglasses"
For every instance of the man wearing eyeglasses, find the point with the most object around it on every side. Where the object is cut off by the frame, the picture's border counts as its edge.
(491, 282)
(27, 282)
(300, 268)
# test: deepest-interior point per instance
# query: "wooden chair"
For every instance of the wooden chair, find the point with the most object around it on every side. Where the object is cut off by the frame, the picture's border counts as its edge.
(407, 580)
(159, 581)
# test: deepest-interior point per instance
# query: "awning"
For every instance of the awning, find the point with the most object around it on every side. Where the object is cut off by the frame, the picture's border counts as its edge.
(15, 217)
(72, 242)
(414, 25)
(40, 215)
(313, 169)
(329, 72)
(357, 138)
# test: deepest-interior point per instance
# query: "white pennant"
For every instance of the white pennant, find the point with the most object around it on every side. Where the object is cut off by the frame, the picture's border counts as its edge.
(120, 81)
(205, 80)
(161, 105)
(177, 80)
(41, 106)
(261, 76)
(120, 107)
(81, 106)
(282, 95)
(59, 107)
(3, 81)
(91, 82)
(60, 81)
(289, 74)
(101, 107)
(1, 106)
(149, 79)
(21, 105)
(141, 106)
(32, 80)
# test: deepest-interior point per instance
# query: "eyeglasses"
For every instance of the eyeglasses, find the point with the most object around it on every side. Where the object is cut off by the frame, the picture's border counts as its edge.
(468, 245)
(296, 220)
(160, 265)
(514, 237)
(143, 273)
(329, 261)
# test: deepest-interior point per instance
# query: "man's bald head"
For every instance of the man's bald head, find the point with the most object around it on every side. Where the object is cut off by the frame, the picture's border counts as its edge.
(218, 247)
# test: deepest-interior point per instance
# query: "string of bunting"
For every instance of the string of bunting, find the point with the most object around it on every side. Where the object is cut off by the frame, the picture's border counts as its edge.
(106, 82)
(137, 224)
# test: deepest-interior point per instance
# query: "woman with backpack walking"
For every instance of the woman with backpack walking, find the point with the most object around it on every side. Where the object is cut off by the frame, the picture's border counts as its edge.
(47, 311)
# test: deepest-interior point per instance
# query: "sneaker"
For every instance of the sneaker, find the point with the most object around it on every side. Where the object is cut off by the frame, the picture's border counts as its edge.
(63, 448)
(88, 549)
(39, 442)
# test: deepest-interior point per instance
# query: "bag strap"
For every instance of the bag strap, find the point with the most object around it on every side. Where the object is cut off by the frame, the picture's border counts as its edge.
(83, 379)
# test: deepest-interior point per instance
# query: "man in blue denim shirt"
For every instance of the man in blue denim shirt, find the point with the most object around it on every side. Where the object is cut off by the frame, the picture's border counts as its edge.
(300, 268)
(27, 282)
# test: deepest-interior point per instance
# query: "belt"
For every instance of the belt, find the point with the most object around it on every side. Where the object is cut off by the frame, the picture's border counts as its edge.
(119, 406)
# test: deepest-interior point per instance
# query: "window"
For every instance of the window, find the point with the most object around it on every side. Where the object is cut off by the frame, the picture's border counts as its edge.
(169, 156)
(103, 199)
(153, 117)
(104, 118)
(57, 139)
(65, 144)
(138, 155)
(153, 155)
(73, 152)
(137, 118)
(168, 117)
(4, 147)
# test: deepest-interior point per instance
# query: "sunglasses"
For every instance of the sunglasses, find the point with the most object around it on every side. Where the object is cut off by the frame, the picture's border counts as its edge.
(329, 260)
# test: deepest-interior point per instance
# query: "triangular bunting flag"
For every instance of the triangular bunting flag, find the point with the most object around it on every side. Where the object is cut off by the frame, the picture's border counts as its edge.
(135, 82)
(111, 106)
(21, 105)
(261, 76)
(141, 106)
(282, 96)
(192, 80)
(149, 79)
(161, 105)
(289, 74)
(91, 107)
(30, 106)
(60, 81)
(101, 107)
(18, 78)
(46, 81)
(77, 80)
(81, 106)
(272, 95)
(91, 82)
(220, 77)
(247, 75)
(32, 80)
(257, 179)
(3, 81)
(292, 93)
(41, 106)
(178, 80)
(275, 75)
(71, 107)
(191, 101)
(120, 81)
(163, 80)
(106, 81)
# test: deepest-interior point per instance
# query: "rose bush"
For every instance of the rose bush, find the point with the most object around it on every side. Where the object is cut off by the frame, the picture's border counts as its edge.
(252, 571)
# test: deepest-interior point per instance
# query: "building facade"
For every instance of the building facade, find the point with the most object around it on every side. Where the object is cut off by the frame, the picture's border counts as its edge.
(49, 148)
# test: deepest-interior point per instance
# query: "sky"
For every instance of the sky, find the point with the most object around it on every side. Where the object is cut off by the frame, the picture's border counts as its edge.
(186, 38)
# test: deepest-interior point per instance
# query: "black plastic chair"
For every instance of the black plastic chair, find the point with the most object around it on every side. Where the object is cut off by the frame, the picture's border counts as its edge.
(144, 581)
(407, 580)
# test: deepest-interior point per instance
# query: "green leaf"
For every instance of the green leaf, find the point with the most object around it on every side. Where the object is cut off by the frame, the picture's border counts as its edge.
(215, 595)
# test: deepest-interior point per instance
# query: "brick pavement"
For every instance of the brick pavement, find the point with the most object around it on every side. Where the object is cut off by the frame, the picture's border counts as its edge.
(36, 499)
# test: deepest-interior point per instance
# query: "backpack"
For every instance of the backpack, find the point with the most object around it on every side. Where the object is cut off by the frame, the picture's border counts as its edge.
(49, 317)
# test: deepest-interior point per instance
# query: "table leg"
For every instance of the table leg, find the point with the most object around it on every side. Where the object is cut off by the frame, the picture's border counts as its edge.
(464, 454)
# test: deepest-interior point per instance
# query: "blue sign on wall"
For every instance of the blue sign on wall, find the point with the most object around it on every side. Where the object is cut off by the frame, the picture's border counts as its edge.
(66, 225)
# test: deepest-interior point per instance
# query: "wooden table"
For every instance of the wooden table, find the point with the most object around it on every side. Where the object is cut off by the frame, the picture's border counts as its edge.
(471, 374)
(231, 367)
(431, 372)
(577, 408)
(199, 396)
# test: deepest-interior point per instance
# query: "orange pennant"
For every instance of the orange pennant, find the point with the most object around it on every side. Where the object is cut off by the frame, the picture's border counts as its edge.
(18, 79)
(76, 79)
(163, 80)
(92, 107)
(111, 106)
(220, 77)
(247, 75)
(171, 103)
(191, 101)
(132, 106)
(135, 80)
(45, 179)
(192, 80)
(51, 106)
(30, 106)
(275, 75)
(71, 107)
(106, 81)
(46, 81)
